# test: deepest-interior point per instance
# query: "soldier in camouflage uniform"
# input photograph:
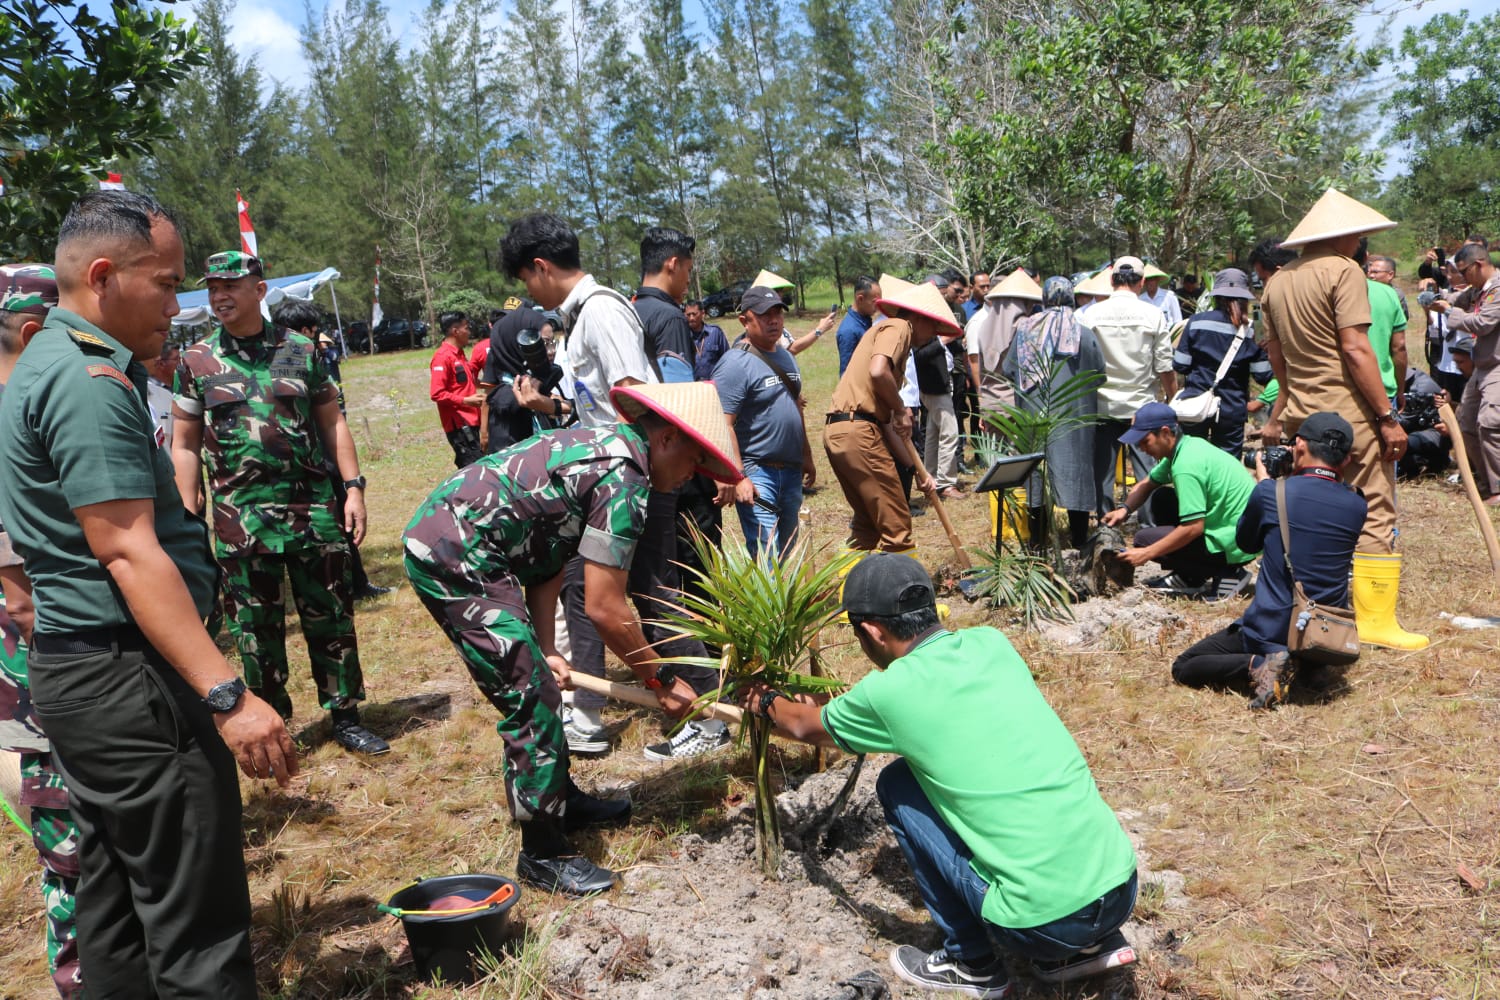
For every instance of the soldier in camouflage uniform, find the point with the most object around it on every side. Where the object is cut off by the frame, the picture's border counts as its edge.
(254, 398)
(27, 293)
(485, 553)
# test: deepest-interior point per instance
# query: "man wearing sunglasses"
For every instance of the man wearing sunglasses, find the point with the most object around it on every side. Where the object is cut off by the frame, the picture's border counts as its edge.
(1475, 310)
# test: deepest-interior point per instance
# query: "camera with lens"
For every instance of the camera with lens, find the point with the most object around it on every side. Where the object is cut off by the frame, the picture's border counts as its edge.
(538, 364)
(1420, 412)
(1277, 460)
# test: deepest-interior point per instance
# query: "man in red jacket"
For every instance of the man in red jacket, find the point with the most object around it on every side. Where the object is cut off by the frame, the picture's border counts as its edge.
(454, 390)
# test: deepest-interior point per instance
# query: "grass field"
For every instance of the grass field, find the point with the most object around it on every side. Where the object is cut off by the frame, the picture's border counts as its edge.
(1345, 845)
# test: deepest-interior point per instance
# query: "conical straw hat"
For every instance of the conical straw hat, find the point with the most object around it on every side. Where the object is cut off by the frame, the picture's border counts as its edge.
(1336, 214)
(1152, 271)
(1016, 285)
(695, 408)
(768, 279)
(1099, 284)
(889, 282)
(923, 299)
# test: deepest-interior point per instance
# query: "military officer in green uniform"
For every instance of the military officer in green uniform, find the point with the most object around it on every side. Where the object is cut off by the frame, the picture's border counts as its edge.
(27, 293)
(485, 553)
(255, 400)
(145, 716)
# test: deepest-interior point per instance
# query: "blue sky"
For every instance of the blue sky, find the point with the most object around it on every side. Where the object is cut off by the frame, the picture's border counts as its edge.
(268, 30)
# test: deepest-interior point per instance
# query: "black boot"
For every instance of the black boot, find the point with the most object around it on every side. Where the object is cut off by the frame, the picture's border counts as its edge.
(584, 810)
(349, 734)
(547, 861)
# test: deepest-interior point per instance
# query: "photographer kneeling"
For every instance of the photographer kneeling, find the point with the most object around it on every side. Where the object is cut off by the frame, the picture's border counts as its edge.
(1427, 440)
(1324, 519)
(1198, 551)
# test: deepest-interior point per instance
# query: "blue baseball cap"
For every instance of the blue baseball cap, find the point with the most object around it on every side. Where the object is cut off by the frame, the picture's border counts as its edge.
(1151, 417)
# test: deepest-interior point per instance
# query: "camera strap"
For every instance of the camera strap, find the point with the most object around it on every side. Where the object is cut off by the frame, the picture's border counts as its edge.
(792, 387)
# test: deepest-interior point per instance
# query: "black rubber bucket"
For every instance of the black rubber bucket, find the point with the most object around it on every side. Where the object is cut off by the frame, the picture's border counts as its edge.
(447, 944)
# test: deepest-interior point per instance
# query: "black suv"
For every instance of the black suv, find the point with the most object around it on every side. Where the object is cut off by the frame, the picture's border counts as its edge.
(727, 299)
(390, 335)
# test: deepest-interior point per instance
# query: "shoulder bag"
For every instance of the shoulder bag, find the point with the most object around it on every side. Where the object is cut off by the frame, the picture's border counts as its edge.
(1317, 633)
(1205, 406)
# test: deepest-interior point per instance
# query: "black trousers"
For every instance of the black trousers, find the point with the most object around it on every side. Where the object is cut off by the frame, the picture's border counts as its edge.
(1219, 660)
(654, 582)
(163, 905)
(1193, 561)
(465, 443)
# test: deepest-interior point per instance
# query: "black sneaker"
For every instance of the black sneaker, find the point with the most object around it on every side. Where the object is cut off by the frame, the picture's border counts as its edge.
(937, 971)
(693, 740)
(370, 591)
(1177, 585)
(1111, 953)
(573, 875)
(357, 739)
(1225, 588)
(587, 810)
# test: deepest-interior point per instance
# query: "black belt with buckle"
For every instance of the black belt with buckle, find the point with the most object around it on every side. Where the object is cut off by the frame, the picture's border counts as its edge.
(838, 418)
(90, 640)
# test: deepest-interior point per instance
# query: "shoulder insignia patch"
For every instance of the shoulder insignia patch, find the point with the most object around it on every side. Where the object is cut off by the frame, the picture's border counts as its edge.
(110, 371)
(83, 337)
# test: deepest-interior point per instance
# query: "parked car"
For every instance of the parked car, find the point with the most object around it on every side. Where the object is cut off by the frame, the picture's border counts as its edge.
(727, 299)
(390, 335)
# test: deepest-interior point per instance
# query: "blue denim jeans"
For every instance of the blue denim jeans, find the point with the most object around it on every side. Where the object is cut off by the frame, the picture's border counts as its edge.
(782, 488)
(954, 894)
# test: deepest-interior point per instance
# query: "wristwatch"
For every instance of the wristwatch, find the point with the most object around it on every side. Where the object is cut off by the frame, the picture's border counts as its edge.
(223, 697)
(767, 698)
(357, 483)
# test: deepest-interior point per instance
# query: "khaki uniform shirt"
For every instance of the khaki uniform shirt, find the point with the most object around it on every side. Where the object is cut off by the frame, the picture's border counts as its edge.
(892, 338)
(1305, 305)
(1476, 311)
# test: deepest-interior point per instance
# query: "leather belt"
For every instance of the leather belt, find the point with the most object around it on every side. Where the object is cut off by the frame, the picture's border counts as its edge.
(838, 418)
(91, 640)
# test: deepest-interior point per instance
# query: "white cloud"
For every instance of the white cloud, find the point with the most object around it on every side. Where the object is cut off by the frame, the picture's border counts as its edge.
(275, 45)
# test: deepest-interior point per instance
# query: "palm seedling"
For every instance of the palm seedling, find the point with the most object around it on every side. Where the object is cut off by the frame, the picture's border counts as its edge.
(1031, 584)
(764, 613)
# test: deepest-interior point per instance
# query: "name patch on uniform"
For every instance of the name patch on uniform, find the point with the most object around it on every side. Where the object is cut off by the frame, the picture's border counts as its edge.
(109, 371)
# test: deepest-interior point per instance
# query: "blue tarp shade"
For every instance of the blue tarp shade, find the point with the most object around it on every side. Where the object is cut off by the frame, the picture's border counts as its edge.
(194, 305)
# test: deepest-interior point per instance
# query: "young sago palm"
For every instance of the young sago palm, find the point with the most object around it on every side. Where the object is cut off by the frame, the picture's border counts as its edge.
(764, 613)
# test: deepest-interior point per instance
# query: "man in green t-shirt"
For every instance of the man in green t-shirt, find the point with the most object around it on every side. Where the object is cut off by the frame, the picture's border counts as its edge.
(991, 801)
(1196, 547)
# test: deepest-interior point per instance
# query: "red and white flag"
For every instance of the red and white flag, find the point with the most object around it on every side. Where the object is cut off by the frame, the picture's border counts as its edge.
(247, 231)
(375, 314)
(2, 187)
(112, 182)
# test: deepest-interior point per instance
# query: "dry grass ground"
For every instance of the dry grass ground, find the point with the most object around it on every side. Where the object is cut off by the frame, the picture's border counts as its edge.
(1343, 846)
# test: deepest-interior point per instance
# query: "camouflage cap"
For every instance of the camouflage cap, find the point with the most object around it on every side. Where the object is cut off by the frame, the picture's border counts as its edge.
(232, 264)
(27, 288)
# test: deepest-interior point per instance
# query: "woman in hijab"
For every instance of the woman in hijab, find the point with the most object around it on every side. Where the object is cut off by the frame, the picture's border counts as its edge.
(1206, 339)
(1050, 348)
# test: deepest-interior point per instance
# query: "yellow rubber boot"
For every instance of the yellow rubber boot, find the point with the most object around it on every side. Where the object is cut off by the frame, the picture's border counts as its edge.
(1377, 578)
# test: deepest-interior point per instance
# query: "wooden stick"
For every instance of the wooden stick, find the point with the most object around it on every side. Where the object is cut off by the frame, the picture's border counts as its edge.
(636, 695)
(1461, 453)
(936, 501)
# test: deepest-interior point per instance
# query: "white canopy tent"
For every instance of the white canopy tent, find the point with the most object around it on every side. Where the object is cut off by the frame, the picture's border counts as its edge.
(195, 309)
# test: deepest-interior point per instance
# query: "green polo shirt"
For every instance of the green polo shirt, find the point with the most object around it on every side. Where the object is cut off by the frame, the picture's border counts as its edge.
(1386, 316)
(999, 767)
(1212, 487)
(79, 433)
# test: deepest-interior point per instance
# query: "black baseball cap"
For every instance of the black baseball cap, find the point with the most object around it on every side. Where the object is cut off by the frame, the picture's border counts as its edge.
(1328, 429)
(760, 300)
(886, 584)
